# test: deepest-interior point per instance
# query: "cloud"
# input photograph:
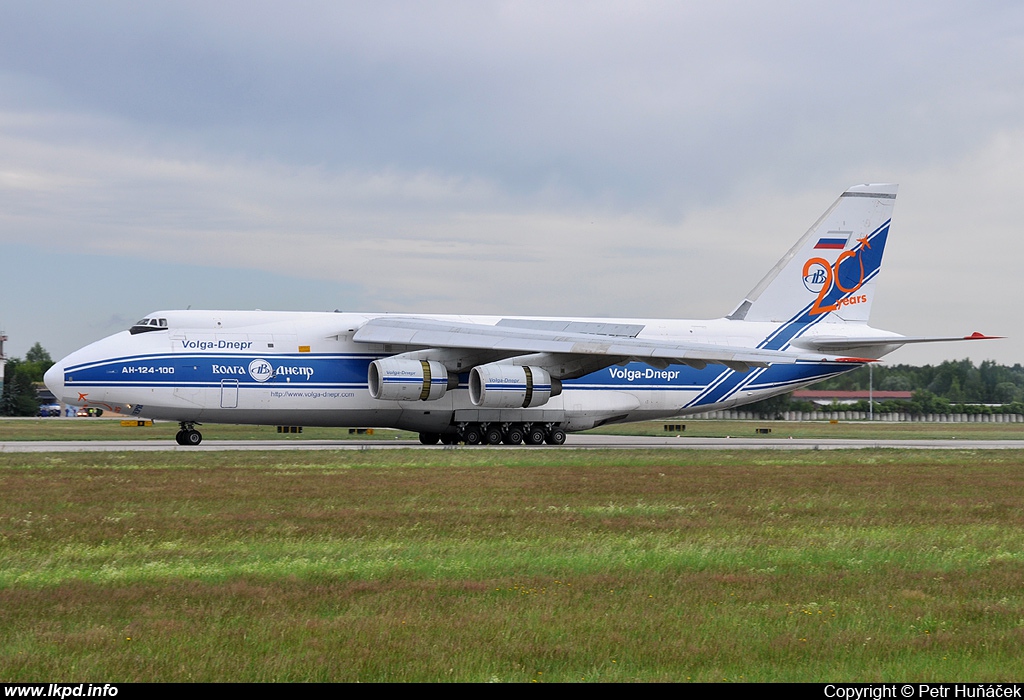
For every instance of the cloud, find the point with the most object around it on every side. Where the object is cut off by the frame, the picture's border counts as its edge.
(624, 159)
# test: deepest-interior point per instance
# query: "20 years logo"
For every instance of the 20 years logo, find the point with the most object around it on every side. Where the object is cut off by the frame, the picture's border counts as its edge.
(820, 277)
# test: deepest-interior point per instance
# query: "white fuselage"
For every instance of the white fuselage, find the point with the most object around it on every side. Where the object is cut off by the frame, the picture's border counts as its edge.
(304, 369)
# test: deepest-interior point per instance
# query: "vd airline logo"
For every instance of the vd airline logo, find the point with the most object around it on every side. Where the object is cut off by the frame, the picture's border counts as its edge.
(261, 370)
(820, 277)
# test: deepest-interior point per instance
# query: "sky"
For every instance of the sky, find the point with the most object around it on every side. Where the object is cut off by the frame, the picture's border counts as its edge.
(627, 159)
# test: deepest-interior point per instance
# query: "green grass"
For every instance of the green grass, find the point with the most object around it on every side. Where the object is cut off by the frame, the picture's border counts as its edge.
(539, 565)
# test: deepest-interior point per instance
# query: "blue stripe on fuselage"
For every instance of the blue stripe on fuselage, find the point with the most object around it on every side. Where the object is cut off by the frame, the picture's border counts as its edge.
(349, 372)
(176, 369)
(637, 376)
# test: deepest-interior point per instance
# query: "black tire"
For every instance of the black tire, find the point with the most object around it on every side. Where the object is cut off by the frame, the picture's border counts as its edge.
(493, 435)
(556, 437)
(472, 435)
(514, 436)
(535, 436)
(449, 439)
(180, 437)
(429, 438)
(193, 437)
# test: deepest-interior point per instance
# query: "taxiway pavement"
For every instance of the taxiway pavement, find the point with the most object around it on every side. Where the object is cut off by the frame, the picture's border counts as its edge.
(616, 442)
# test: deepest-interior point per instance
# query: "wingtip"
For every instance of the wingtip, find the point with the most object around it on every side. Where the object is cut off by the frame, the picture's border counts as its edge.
(981, 336)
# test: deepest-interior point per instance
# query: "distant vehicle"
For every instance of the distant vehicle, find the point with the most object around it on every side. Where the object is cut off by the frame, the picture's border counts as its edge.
(89, 412)
(49, 410)
(492, 379)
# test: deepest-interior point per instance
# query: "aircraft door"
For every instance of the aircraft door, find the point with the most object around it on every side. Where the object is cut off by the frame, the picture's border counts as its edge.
(229, 393)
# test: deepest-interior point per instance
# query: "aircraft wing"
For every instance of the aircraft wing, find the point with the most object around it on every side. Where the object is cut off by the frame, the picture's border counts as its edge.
(512, 341)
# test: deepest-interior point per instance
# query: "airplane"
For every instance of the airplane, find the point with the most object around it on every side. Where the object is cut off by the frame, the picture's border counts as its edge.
(504, 379)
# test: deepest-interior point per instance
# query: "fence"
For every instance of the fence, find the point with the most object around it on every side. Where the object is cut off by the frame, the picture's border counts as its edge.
(863, 415)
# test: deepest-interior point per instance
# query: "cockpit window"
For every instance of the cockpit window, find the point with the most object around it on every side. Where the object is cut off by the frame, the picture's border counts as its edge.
(148, 324)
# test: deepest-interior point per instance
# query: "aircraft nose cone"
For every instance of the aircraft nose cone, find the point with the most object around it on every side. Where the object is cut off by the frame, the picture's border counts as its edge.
(54, 380)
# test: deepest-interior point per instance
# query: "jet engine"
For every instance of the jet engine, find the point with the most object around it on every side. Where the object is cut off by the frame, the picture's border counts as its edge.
(511, 386)
(393, 379)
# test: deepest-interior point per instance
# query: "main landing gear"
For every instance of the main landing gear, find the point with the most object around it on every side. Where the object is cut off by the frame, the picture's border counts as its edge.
(498, 433)
(188, 435)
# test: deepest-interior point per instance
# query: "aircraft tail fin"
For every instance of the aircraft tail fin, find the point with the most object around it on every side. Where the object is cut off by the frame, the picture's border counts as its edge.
(831, 270)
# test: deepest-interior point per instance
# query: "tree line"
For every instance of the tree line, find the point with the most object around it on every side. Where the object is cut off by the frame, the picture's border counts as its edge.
(955, 386)
(20, 380)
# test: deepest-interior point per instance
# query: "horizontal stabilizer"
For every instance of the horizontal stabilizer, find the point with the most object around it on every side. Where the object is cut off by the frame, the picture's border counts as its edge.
(839, 344)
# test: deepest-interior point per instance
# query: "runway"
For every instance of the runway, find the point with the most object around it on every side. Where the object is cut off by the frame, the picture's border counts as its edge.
(612, 442)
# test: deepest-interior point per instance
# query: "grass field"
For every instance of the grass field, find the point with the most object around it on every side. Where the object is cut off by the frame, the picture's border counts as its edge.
(104, 429)
(512, 565)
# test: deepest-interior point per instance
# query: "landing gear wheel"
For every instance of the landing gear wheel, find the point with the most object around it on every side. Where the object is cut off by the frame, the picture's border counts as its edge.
(188, 435)
(535, 436)
(556, 437)
(493, 435)
(472, 435)
(449, 439)
(429, 438)
(514, 436)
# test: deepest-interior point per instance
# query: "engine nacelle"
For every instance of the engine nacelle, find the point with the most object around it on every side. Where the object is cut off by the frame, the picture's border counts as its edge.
(511, 386)
(407, 380)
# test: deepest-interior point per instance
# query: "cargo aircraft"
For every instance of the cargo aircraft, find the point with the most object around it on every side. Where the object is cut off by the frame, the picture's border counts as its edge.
(500, 379)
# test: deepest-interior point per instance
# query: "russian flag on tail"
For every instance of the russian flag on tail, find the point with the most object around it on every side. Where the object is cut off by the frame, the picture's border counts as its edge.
(831, 243)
